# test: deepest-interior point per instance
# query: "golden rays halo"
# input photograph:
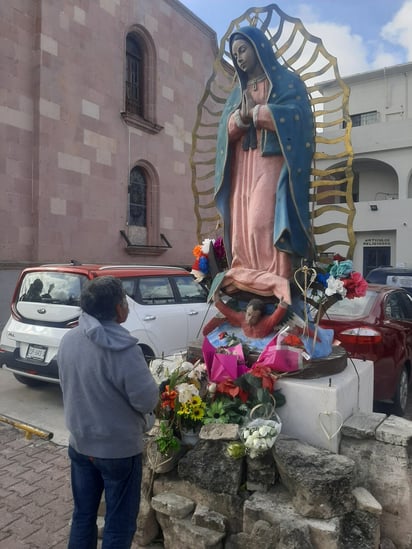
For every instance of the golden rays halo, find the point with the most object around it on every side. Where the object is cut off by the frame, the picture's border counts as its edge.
(332, 208)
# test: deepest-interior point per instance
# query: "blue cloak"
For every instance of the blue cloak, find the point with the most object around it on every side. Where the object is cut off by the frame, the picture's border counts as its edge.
(290, 108)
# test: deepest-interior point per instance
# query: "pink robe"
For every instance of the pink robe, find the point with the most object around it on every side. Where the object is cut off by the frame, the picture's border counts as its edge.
(257, 265)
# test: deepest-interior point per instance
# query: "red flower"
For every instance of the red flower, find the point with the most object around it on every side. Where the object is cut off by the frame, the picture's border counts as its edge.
(355, 285)
(361, 284)
(222, 335)
(227, 387)
(292, 340)
(265, 374)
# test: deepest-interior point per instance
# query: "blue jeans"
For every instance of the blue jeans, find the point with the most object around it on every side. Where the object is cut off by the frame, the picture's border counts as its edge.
(120, 479)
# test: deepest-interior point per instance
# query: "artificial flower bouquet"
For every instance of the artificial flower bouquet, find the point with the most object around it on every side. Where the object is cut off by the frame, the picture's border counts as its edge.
(231, 400)
(182, 398)
(260, 435)
(190, 399)
(261, 431)
(339, 281)
(203, 252)
(234, 387)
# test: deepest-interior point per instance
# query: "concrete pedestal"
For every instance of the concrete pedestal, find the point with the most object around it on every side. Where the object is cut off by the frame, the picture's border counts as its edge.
(315, 409)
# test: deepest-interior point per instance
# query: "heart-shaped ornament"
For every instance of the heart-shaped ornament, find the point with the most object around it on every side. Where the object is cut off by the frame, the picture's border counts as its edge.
(328, 422)
(309, 276)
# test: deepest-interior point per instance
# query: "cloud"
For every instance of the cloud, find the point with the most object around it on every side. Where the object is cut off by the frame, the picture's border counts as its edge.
(398, 30)
(354, 54)
(383, 59)
(347, 47)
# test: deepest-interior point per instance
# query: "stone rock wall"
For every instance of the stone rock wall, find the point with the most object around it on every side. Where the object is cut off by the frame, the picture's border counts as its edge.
(381, 448)
(296, 497)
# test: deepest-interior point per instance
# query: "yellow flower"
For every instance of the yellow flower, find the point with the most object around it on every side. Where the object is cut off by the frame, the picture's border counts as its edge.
(184, 410)
(196, 400)
(197, 413)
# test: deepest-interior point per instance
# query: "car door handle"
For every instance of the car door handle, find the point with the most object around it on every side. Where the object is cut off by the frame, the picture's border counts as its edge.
(192, 313)
(149, 317)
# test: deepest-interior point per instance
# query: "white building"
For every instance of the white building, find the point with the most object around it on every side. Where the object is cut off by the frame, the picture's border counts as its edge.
(380, 107)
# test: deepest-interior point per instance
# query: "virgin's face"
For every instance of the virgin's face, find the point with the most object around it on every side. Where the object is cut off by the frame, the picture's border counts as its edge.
(245, 56)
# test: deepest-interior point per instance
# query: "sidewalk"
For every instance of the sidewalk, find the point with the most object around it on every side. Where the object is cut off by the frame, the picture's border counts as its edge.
(35, 492)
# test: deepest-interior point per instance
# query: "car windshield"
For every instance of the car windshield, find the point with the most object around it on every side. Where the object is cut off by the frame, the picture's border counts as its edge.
(52, 287)
(399, 281)
(357, 307)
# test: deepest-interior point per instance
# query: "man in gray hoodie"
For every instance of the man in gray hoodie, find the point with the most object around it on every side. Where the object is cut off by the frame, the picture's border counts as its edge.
(107, 388)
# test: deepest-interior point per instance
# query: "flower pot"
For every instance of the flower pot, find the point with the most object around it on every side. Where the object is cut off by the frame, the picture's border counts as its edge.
(162, 463)
(189, 437)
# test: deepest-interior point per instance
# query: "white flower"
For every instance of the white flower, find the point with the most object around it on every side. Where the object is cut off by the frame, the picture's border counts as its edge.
(199, 276)
(186, 391)
(206, 245)
(196, 372)
(335, 286)
(259, 436)
(264, 430)
(185, 367)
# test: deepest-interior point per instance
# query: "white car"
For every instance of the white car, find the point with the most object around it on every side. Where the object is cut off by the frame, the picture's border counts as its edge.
(168, 309)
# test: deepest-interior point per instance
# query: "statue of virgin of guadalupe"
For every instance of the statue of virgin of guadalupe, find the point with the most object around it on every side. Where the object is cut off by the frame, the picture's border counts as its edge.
(264, 153)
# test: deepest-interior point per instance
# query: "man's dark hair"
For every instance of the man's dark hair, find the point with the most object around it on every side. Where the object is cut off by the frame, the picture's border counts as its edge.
(100, 296)
(257, 305)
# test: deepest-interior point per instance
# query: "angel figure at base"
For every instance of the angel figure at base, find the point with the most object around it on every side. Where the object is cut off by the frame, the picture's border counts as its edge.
(265, 147)
(256, 328)
(253, 321)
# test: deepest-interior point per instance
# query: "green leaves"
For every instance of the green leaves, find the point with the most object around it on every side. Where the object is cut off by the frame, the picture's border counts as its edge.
(166, 441)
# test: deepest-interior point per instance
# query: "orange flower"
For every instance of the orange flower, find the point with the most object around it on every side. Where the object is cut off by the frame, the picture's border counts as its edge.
(197, 251)
(168, 398)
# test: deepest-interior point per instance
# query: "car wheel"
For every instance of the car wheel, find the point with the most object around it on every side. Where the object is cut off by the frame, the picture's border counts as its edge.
(147, 353)
(401, 396)
(29, 381)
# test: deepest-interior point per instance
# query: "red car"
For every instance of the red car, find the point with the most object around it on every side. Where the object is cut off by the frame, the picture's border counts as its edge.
(378, 327)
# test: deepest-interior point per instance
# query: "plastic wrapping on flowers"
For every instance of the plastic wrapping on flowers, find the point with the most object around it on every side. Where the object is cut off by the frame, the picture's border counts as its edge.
(260, 435)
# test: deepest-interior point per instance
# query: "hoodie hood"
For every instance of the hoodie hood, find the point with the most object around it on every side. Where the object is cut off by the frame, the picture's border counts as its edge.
(107, 334)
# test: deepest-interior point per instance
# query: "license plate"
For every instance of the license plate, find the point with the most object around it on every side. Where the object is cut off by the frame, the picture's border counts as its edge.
(36, 352)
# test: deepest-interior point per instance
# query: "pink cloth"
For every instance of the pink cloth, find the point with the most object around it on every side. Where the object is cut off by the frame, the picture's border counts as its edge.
(257, 266)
